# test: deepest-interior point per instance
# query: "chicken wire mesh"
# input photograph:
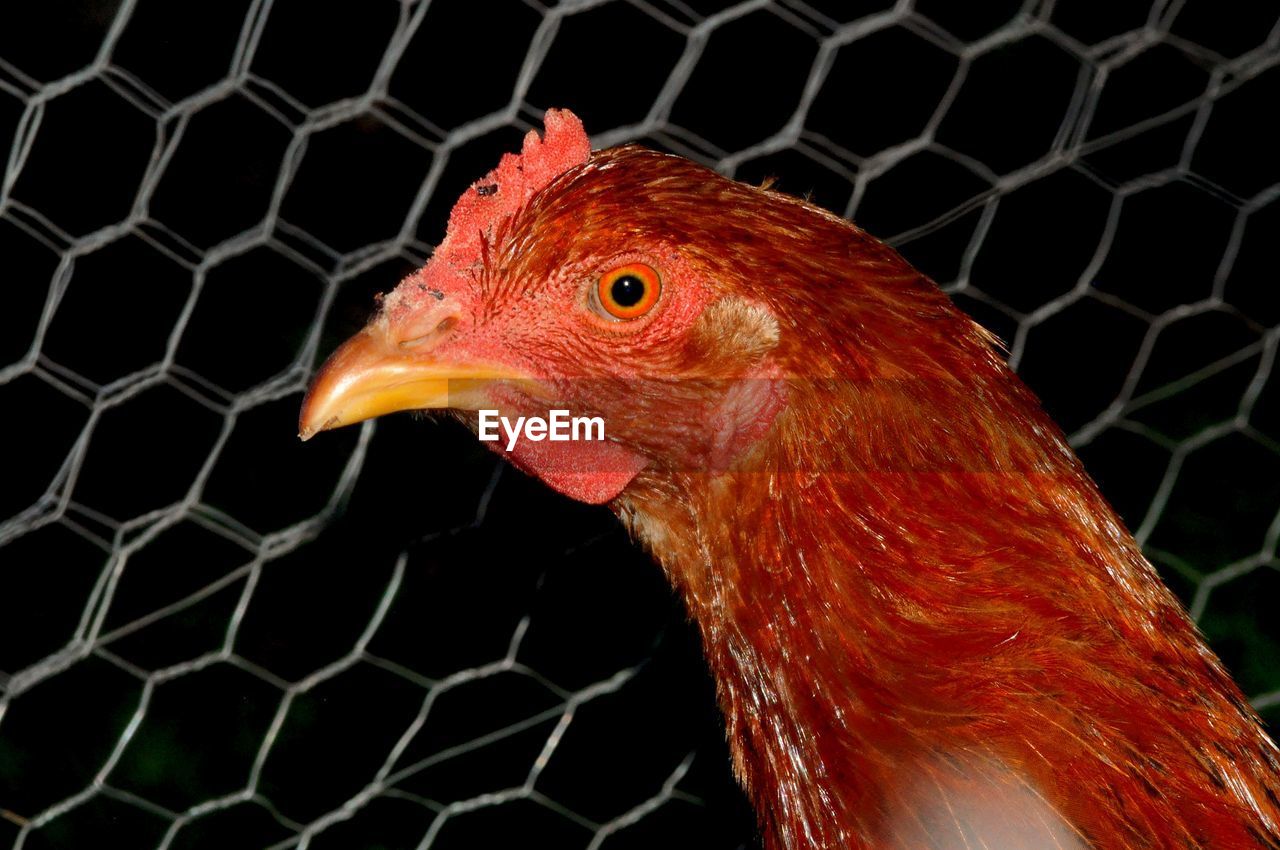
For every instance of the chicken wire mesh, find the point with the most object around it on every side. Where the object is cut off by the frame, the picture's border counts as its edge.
(212, 636)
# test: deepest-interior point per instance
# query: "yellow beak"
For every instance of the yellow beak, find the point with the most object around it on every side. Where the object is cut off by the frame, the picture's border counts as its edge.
(368, 377)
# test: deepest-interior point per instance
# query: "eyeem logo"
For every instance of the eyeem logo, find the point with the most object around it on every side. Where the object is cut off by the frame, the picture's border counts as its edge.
(558, 427)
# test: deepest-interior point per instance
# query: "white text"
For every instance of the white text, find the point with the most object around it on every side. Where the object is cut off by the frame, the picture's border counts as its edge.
(559, 426)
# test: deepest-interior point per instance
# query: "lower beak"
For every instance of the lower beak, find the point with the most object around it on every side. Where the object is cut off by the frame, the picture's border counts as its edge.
(368, 377)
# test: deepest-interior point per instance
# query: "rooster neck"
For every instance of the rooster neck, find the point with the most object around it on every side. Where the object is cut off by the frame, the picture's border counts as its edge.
(888, 643)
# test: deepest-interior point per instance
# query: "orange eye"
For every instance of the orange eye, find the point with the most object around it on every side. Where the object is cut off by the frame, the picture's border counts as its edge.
(629, 291)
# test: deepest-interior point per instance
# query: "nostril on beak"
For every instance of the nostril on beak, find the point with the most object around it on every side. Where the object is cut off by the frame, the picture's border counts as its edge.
(442, 327)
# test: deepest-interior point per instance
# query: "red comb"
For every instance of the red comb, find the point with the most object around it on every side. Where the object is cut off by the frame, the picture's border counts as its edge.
(496, 197)
(505, 189)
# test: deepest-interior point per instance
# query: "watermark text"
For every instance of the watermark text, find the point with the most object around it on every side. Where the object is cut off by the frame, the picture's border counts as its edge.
(557, 426)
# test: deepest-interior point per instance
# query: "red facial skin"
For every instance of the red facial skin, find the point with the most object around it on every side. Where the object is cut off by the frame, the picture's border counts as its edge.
(911, 595)
(515, 279)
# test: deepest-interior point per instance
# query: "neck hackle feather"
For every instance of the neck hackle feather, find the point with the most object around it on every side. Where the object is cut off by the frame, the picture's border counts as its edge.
(926, 625)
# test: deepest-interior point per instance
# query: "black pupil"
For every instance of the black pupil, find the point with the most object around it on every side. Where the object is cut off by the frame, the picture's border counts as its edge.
(627, 291)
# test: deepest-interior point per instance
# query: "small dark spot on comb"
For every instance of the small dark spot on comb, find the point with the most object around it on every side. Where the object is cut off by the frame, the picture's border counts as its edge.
(487, 190)
(437, 294)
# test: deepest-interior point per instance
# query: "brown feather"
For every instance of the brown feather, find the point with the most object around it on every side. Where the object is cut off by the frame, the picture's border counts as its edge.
(926, 625)
(912, 584)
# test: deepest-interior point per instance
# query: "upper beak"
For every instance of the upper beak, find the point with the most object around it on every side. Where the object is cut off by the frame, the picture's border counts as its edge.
(369, 376)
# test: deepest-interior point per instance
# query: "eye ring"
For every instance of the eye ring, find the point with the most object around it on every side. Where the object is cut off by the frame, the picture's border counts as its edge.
(628, 292)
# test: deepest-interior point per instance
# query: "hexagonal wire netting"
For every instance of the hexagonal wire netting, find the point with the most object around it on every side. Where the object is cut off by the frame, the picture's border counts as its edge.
(211, 636)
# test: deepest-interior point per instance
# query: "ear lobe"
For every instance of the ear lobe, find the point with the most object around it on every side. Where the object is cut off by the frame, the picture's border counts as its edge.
(734, 332)
(736, 337)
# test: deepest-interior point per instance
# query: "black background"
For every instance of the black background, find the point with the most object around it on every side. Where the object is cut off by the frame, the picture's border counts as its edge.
(213, 636)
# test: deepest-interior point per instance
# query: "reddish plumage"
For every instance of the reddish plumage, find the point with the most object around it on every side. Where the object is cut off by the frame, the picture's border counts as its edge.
(926, 626)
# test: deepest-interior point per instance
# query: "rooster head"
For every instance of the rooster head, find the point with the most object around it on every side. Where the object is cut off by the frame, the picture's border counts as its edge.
(569, 281)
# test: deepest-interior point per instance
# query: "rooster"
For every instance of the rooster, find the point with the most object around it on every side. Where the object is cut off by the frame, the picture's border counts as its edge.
(926, 626)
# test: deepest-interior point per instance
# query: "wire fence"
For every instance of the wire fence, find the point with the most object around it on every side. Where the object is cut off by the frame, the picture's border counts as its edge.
(211, 636)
